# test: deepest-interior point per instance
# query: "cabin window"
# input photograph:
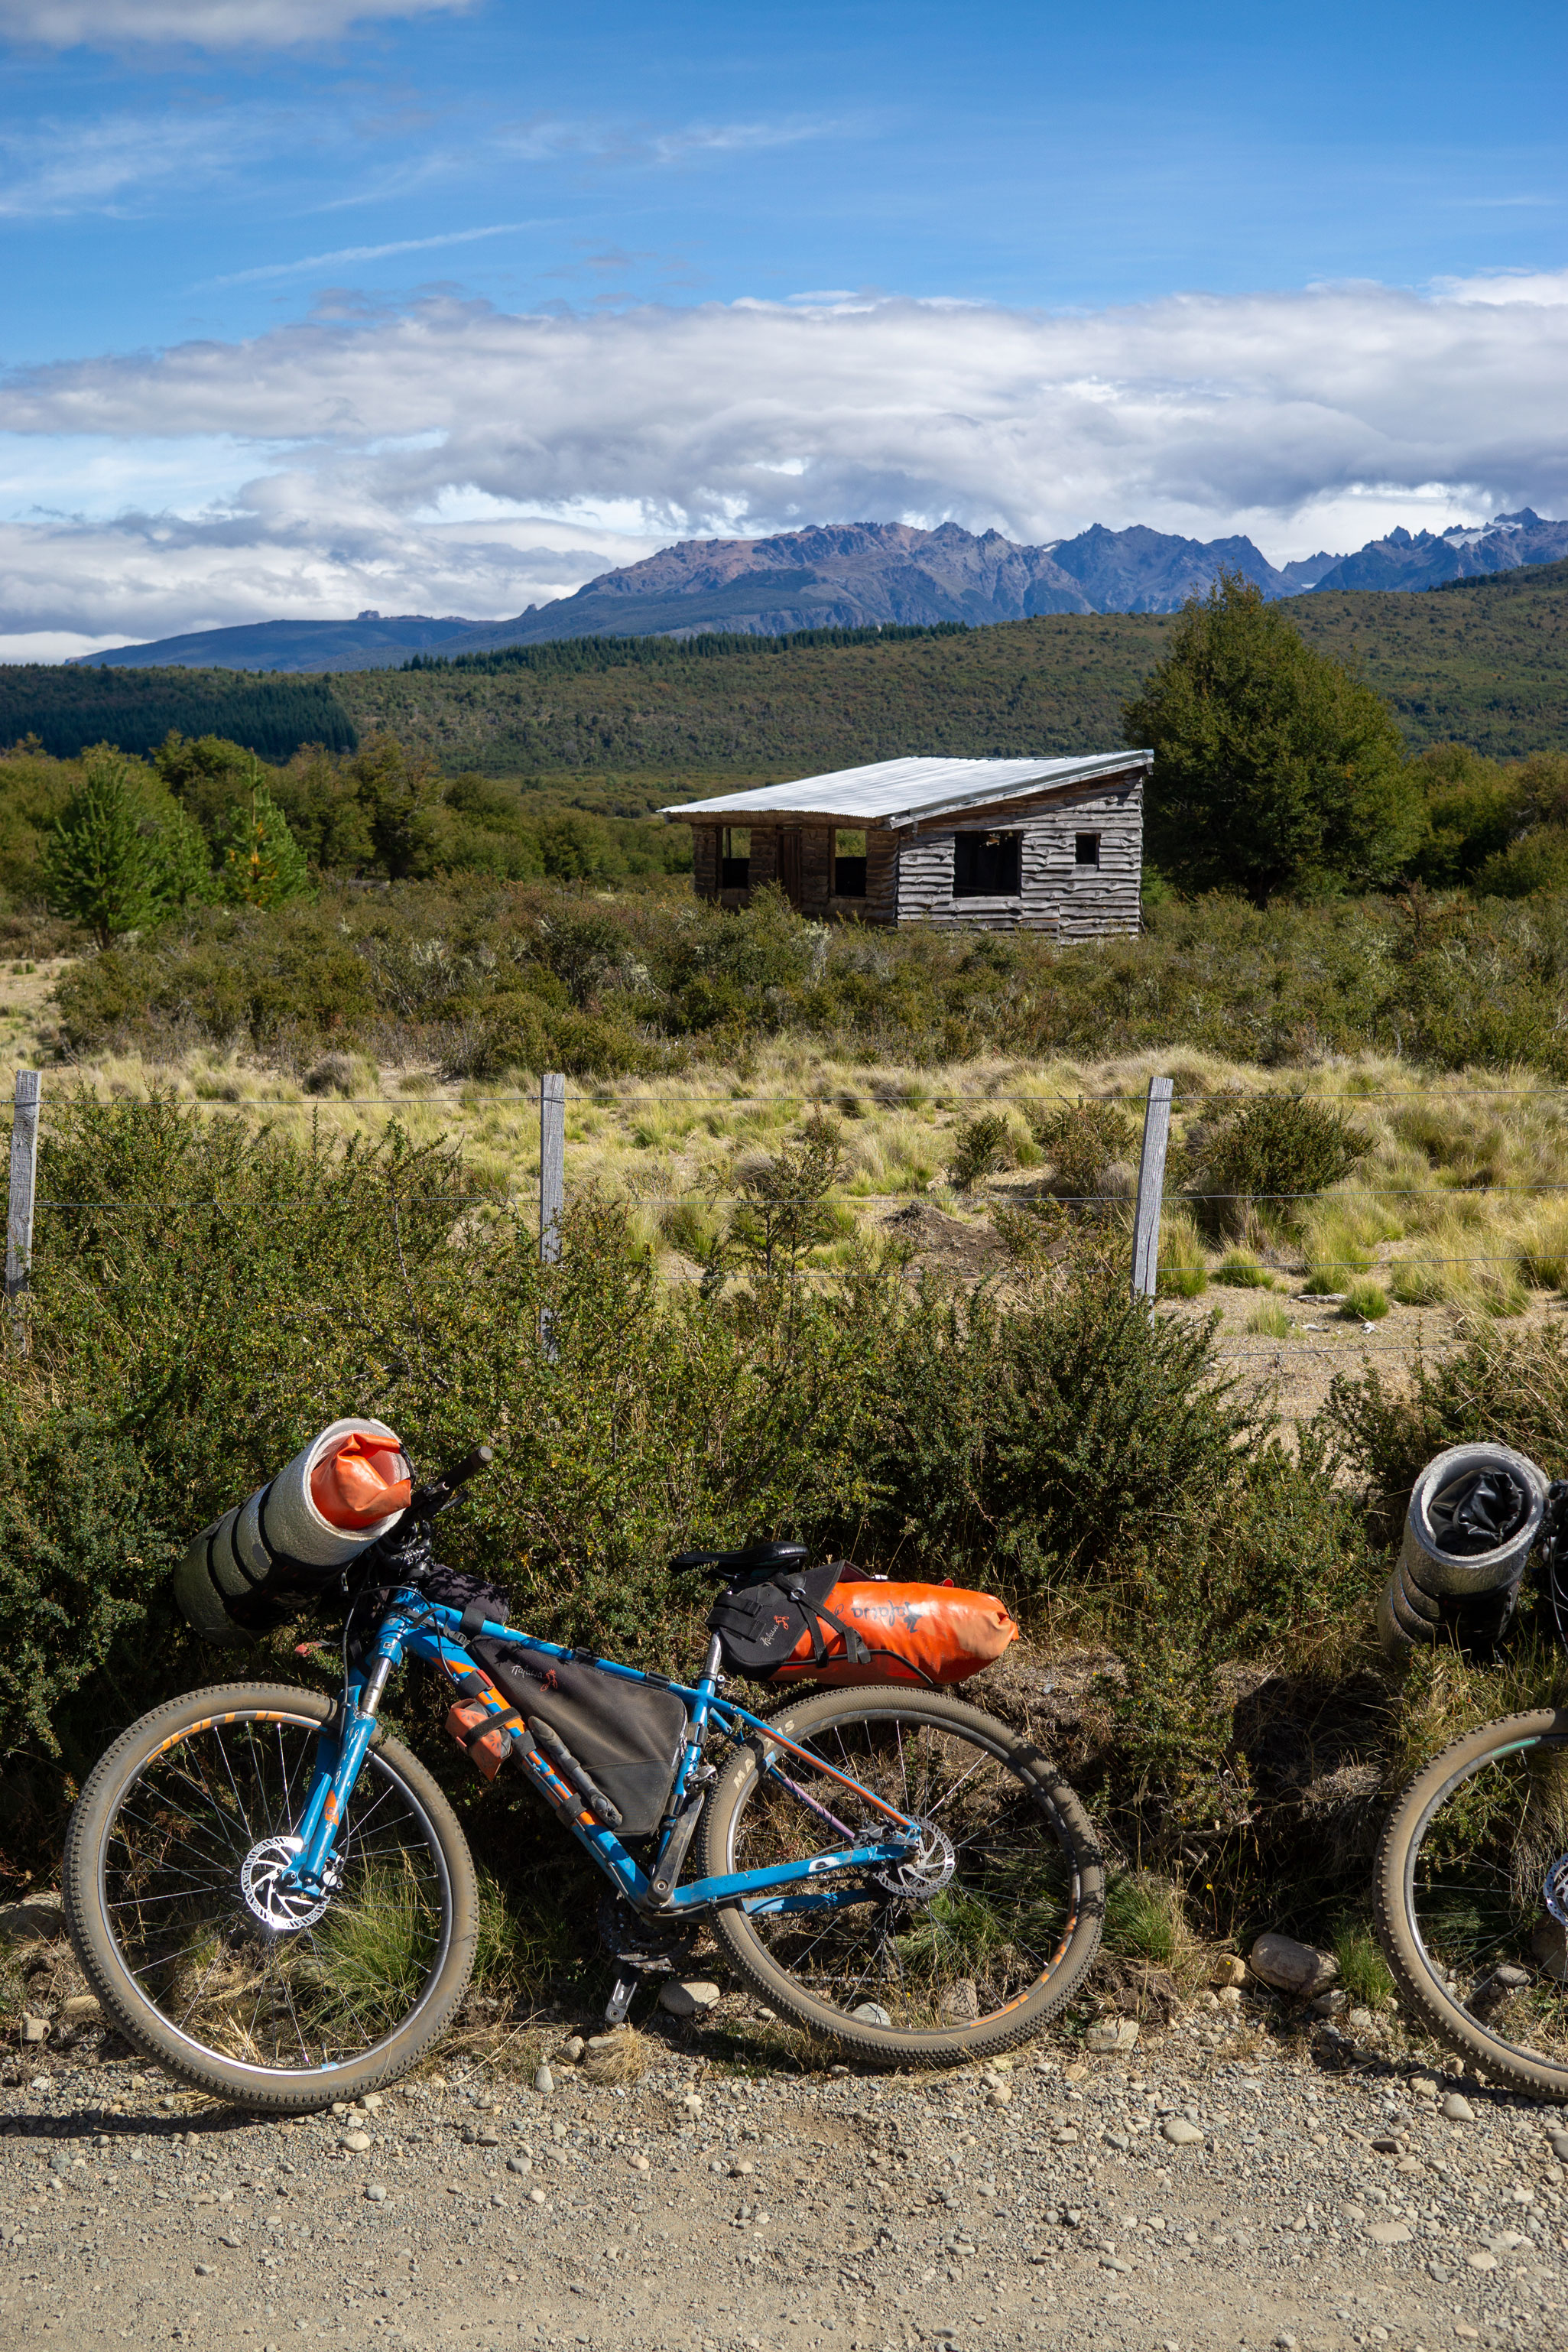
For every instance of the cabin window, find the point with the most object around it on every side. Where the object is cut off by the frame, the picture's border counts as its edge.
(988, 865)
(848, 864)
(735, 858)
(1088, 849)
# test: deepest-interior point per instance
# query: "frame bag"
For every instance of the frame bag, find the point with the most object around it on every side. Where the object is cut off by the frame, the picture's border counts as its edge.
(626, 1736)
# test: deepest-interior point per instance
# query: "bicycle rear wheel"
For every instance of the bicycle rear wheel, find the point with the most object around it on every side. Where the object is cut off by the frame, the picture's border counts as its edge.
(962, 1956)
(1472, 1900)
(277, 2002)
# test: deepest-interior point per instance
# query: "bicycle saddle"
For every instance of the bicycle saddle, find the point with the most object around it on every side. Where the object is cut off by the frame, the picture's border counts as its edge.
(757, 1560)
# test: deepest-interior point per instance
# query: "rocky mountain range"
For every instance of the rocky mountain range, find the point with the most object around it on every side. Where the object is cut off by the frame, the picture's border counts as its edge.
(868, 574)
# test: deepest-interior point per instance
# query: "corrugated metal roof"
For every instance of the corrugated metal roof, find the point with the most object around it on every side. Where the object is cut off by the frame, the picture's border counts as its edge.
(902, 791)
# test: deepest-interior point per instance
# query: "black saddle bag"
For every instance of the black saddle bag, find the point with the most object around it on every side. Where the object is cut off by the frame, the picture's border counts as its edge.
(758, 1625)
(626, 1736)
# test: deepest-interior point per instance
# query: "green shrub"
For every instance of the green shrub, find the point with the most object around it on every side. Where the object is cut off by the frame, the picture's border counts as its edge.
(1538, 863)
(1266, 1154)
(414, 972)
(980, 1146)
(1083, 1141)
(1364, 1302)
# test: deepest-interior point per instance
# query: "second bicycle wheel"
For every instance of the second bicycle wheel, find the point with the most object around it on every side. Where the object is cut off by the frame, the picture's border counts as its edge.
(962, 1955)
(1472, 1900)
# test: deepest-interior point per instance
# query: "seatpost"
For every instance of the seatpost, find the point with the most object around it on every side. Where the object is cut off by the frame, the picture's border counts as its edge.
(711, 1662)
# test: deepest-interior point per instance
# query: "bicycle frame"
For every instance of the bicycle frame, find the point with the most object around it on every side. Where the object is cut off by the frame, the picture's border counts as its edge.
(413, 1627)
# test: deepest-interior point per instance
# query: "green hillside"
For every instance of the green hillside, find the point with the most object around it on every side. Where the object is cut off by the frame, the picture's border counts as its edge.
(772, 707)
(1484, 661)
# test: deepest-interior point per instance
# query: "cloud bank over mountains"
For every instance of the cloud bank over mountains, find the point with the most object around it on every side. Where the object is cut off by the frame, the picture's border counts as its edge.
(451, 457)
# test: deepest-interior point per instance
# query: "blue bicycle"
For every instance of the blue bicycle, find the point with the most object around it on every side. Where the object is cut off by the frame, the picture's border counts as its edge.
(272, 1898)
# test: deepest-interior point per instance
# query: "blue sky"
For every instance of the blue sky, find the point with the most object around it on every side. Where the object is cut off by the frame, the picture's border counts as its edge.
(451, 304)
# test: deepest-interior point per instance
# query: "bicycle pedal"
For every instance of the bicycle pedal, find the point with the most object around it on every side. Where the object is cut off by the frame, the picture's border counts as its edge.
(620, 2001)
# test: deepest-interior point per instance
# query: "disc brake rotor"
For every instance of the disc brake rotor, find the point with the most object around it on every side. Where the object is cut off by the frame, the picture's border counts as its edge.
(926, 1873)
(1554, 1892)
(281, 1908)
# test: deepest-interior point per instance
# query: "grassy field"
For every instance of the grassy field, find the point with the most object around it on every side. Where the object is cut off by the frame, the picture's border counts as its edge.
(1485, 663)
(1456, 1218)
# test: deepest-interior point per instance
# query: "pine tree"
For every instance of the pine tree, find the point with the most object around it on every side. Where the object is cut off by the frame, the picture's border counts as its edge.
(261, 864)
(122, 853)
(99, 867)
(1275, 769)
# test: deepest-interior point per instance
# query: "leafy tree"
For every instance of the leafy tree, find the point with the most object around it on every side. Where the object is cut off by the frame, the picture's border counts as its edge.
(122, 855)
(262, 864)
(401, 797)
(1473, 808)
(1275, 769)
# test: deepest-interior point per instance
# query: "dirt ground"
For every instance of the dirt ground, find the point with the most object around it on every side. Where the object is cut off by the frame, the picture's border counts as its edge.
(1231, 2182)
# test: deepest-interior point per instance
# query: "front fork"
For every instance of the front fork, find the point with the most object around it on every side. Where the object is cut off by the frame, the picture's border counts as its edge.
(340, 1752)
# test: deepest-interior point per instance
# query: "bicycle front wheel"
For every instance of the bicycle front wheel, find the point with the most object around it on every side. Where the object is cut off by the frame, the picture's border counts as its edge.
(275, 2001)
(961, 1954)
(1472, 1900)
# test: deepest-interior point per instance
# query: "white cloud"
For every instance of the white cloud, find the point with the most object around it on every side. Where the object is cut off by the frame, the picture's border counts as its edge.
(1303, 419)
(274, 555)
(109, 164)
(197, 24)
(550, 138)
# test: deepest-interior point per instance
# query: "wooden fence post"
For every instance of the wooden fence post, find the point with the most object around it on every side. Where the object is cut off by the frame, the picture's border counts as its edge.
(552, 1162)
(1151, 1189)
(19, 1211)
(552, 1185)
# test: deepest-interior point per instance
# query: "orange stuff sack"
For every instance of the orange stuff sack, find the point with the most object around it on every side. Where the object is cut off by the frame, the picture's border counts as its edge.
(946, 1634)
(361, 1481)
(488, 1753)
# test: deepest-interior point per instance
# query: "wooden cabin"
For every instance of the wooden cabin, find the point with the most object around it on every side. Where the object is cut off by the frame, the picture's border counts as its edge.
(1002, 845)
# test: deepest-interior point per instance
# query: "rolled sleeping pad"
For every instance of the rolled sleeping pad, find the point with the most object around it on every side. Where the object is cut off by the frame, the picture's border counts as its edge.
(1415, 1613)
(1474, 1514)
(281, 1537)
(1398, 1645)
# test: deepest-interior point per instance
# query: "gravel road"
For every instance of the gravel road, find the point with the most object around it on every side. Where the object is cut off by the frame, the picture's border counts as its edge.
(1258, 2191)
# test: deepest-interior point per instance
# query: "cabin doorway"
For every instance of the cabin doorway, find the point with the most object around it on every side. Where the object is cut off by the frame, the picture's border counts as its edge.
(789, 880)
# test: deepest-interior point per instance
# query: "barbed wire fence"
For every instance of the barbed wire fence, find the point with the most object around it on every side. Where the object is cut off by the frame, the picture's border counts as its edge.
(1154, 1201)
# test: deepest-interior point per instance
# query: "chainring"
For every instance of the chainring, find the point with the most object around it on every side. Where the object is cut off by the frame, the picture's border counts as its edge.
(649, 1945)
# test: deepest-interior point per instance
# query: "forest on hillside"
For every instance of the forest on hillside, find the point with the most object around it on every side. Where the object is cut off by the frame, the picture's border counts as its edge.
(1483, 662)
(65, 711)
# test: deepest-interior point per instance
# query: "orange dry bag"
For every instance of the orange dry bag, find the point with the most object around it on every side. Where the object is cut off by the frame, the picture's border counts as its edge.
(361, 1481)
(828, 1625)
(915, 1632)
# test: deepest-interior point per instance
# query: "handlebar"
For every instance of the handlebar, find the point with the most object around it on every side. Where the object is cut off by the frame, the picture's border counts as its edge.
(437, 1493)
